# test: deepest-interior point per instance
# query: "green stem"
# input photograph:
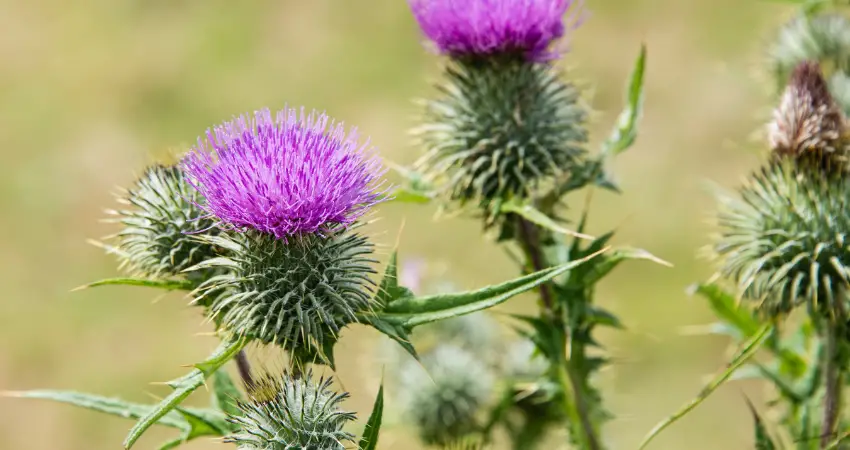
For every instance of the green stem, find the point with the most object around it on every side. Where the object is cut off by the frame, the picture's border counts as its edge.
(528, 235)
(833, 378)
(244, 368)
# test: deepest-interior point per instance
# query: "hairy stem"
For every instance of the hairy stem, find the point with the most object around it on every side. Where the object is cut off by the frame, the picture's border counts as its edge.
(244, 368)
(833, 380)
(528, 235)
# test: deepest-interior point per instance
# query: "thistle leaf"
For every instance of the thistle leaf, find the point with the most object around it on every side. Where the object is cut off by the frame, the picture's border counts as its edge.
(746, 351)
(609, 262)
(625, 132)
(225, 394)
(113, 406)
(763, 440)
(534, 215)
(205, 422)
(409, 312)
(410, 195)
(369, 441)
(168, 285)
(389, 289)
(184, 386)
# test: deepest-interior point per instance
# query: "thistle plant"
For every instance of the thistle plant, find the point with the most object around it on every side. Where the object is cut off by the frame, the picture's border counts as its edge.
(264, 223)
(781, 247)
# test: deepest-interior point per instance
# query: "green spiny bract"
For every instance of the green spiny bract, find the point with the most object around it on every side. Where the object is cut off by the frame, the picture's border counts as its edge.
(824, 38)
(444, 402)
(786, 240)
(500, 127)
(291, 413)
(160, 226)
(297, 293)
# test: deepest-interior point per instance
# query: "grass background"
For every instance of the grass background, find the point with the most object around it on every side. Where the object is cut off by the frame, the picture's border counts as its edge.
(93, 90)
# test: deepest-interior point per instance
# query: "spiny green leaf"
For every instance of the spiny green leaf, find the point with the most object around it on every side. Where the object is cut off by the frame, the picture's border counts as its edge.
(185, 385)
(369, 441)
(746, 351)
(174, 443)
(205, 422)
(389, 289)
(410, 195)
(609, 262)
(763, 440)
(225, 394)
(169, 285)
(536, 217)
(625, 132)
(114, 406)
(727, 308)
(395, 331)
(413, 311)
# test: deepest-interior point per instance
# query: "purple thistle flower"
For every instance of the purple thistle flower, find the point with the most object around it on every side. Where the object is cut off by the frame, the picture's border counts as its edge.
(294, 174)
(487, 27)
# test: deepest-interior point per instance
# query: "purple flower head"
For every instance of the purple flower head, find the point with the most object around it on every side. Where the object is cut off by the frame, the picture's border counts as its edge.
(487, 27)
(288, 175)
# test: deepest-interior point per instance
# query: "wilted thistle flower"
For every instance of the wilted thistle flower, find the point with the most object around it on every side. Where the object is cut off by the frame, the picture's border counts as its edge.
(488, 27)
(503, 122)
(291, 413)
(444, 402)
(808, 125)
(290, 189)
(160, 225)
(786, 240)
(824, 38)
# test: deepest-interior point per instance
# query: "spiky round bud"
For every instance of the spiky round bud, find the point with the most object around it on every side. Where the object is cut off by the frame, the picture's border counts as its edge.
(824, 38)
(298, 293)
(444, 399)
(785, 240)
(160, 225)
(291, 413)
(522, 362)
(809, 126)
(500, 127)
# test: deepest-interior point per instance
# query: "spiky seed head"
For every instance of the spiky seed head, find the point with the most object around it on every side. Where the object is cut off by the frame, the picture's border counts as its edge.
(444, 399)
(809, 126)
(296, 293)
(160, 223)
(291, 413)
(481, 28)
(294, 173)
(783, 241)
(824, 38)
(500, 128)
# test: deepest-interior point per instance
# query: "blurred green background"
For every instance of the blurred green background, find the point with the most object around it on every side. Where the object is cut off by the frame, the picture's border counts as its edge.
(93, 90)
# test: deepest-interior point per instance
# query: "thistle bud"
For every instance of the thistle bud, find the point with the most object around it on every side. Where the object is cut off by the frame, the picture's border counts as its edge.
(160, 224)
(784, 241)
(291, 413)
(809, 126)
(445, 398)
(504, 122)
(289, 192)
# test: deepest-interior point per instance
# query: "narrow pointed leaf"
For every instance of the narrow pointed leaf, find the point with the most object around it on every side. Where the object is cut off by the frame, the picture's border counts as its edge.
(389, 289)
(536, 217)
(410, 312)
(225, 394)
(205, 422)
(409, 195)
(369, 441)
(168, 285)
(174, 443)
(625, 131)
(113, 406)
(763, 440)
(394, 331)
(746, 351)
(185, 385)
(613, 259)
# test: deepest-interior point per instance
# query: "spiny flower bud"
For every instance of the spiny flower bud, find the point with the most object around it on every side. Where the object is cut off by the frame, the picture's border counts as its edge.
(297, 293)
(808, 126)
(784, 242)
(444, 401)
(291, 413)
(463, 28)
(158, 239)
(287, 190)
(500, 128)
(522, 362)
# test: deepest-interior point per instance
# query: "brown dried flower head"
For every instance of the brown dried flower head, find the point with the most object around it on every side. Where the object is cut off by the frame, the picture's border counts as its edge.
(808, 125)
